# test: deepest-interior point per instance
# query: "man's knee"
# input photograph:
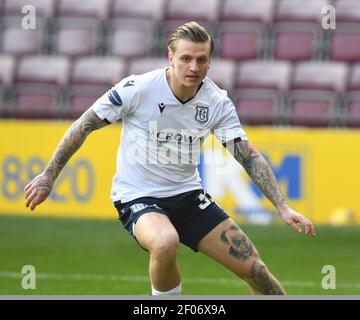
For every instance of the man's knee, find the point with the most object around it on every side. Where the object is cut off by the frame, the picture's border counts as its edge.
(165, 246)
(245, 268)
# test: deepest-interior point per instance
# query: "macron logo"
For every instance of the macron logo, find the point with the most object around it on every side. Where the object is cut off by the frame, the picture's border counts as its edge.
(115, 98)
(161, 107)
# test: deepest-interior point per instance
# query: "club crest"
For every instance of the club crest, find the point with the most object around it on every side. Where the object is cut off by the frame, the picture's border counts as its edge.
(202, 114)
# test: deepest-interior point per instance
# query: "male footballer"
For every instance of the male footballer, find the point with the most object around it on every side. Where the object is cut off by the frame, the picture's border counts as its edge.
(166, 115)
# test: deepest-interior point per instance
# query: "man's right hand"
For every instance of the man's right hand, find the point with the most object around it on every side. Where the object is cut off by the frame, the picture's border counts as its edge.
(37, 190)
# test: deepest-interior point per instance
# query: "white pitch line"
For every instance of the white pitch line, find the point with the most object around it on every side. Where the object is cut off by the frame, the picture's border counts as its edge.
(128, 278)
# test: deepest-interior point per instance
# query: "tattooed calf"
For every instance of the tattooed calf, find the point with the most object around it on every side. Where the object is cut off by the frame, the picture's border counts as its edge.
(266, 282)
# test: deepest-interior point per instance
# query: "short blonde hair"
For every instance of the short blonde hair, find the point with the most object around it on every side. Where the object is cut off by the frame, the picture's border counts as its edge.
(190, 31)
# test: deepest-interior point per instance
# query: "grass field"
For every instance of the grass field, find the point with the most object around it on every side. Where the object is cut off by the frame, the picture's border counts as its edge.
(97, 257)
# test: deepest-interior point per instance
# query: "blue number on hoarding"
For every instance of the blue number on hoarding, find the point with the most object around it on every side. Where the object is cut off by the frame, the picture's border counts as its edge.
(13, 170)
(12, 186)
(34, 167)
(82, 197)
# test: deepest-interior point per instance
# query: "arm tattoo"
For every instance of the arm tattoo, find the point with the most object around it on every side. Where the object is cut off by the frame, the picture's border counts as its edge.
(265, 281)
(240, 246)
(72, 141)
(259, 170)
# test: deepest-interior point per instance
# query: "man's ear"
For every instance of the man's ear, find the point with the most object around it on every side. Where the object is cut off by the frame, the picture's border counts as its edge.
(170, 57)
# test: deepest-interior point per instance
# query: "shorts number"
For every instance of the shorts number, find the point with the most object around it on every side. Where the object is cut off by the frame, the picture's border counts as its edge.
(205, 201)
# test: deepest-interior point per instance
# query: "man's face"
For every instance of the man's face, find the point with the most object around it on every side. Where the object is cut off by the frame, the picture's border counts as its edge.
(190, 62)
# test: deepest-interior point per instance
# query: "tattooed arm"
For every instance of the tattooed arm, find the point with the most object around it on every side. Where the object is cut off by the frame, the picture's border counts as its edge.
(37, 190)
(261, 173)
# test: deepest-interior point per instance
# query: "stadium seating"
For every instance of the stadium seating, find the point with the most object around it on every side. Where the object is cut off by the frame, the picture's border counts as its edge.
(261, 85)
(138, 43)
(152, 10)
(240, 41)
(270, 55)
(90, 78)
(296, 41)
(17, 41)
(316, 90)
(7, 69)
(75, 42)
(204, 11)
(44, 8)
(223, 72)
(39, 81)
(142, 65)
(95, 9)
(242, 10)
(347, 11)
(351, 108)
(345, 44)
(300, 10)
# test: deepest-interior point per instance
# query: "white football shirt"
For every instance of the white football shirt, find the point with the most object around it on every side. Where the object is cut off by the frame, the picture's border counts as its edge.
(161, 137)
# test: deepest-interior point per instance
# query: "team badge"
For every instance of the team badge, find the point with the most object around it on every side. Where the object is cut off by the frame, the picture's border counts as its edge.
(202, 114)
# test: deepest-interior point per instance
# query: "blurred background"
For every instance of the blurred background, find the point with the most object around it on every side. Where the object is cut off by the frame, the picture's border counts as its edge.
(295, 86)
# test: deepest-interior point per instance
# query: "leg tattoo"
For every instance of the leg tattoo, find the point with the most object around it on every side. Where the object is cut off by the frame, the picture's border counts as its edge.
(264, 280)
(240, 246)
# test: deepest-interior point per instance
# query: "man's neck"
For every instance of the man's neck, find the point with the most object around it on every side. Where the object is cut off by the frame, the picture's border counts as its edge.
(181, 92)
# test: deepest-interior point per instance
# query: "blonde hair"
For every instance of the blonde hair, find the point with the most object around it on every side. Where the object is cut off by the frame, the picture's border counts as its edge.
(190, 31)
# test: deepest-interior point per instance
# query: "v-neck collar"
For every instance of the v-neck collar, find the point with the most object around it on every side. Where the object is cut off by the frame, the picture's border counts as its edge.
(166, 83)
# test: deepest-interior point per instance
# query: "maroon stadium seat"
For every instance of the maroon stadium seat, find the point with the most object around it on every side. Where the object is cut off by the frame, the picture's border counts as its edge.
(140, 9)
(75, 42)
(7, 69)
(352, 100)
(44, 8)
(264, 75)
(320, 75)
(91, 77)
(142, 65)
(95, 9)
(38, 81)
(345, 44)
(200, 10)
(256, 107)
(300, 10)
(317, 86)
(222, 72)
(244, 10)
(18, 41)
(352, 110)
(354, 83)
(78, 27)
(240, 41)
(296, 41)
(261, 85)
(347, 11)
(139, 43)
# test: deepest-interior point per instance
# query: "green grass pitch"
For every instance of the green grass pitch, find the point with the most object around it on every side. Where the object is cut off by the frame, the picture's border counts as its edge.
(98, 257)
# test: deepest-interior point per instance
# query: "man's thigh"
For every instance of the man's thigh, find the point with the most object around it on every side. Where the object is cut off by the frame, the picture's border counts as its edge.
(145, 220)
(154, 229)
(230, 246)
